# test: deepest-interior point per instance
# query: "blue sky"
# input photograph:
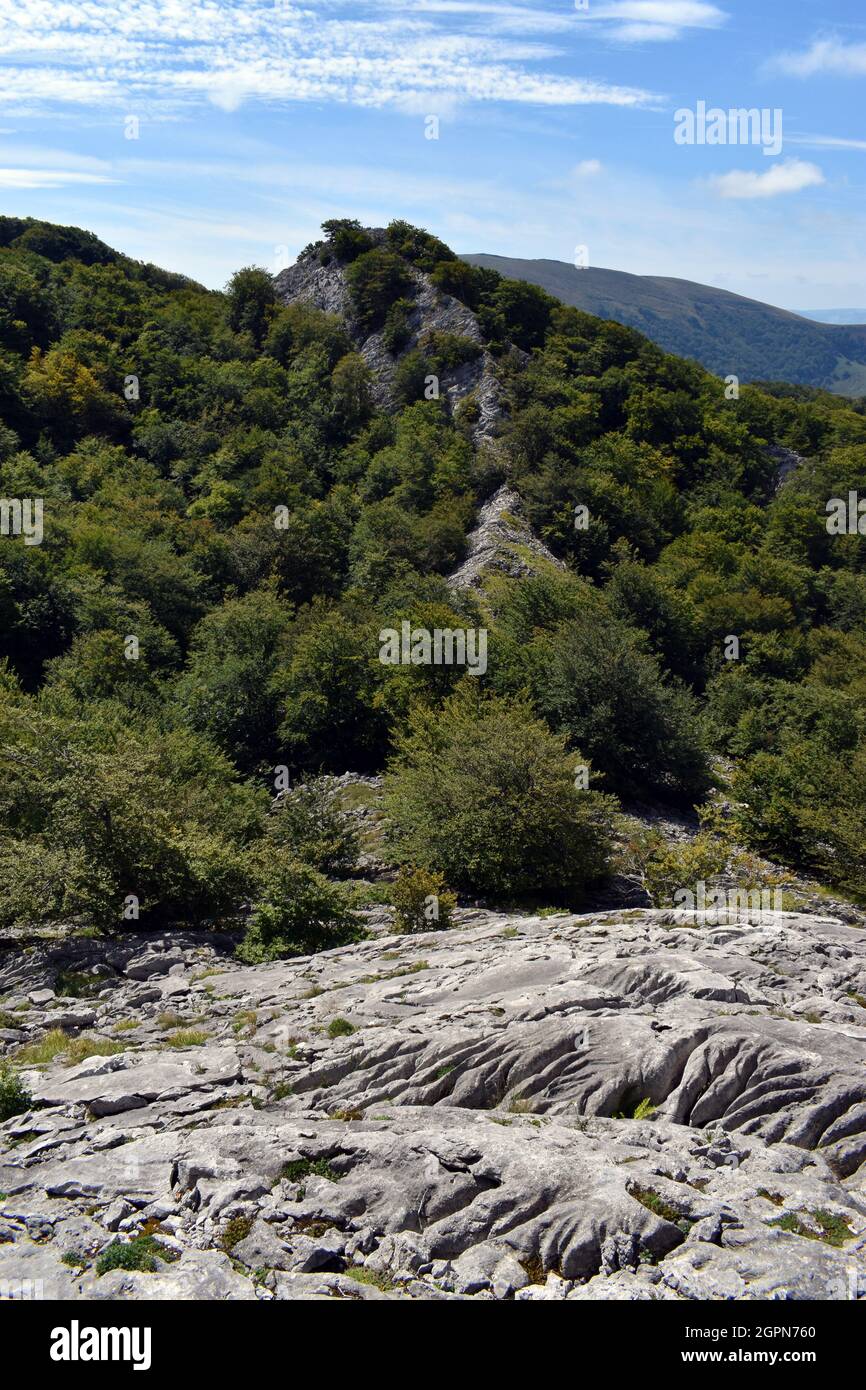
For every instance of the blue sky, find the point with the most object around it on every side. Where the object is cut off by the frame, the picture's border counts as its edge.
(257, 119)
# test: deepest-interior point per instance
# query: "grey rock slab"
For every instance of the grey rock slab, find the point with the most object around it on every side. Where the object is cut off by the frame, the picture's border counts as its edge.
(290, 1287)
(262, 1249)
(129, 1080)
(780, 1266)
(198, 1274)
(30, 1271)
(475, 1132)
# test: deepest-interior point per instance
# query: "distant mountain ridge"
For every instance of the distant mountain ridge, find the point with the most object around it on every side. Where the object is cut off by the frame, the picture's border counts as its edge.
(847, 316)
(725, 332)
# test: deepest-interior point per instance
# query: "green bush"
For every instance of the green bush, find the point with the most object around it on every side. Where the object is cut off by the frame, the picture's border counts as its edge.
(139, 1254)
(410, 378)
(673, 867)
(593, 681)
(15, 1099)
(806, 806)
(346, 238)
(307, 824)
(376, 280)
(340, 1028)
(297, 912)
(481, 791)
(448, 351)
(421, 901)
(396, 332)
(103, 810)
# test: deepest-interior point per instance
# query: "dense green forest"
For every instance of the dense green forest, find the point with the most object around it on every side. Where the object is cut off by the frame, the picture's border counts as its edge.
(229, 523)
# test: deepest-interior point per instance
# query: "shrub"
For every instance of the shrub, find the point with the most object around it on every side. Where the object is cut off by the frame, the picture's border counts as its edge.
(340, 1028)
(448, 351)
(15, 1099)
(103, 809)
(299, 1168)
(376, 279)
(307, 823)
(668, 868)
(396, 333)
(346, 238)
(237, 1228)
(80, 984)
(593, 681)
(483, 792)
(421, 901)
(137, 1254)
(410, 378)
(297, 912)
(806, 806)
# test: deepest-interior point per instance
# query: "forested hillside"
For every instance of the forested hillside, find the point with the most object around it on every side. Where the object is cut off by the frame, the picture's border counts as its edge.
(230, 522)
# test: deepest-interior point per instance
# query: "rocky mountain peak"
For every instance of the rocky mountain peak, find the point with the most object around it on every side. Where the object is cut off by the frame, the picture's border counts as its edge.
(321, 280)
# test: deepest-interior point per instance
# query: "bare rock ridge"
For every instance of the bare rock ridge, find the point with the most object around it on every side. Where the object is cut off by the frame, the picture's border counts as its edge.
(629, 1105)
(325, 287)
(502, 540)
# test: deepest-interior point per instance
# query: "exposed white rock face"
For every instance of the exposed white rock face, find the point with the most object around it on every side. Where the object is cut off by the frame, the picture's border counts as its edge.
(502, 540)
(787, 462)
(470, 1137)
(325, 288)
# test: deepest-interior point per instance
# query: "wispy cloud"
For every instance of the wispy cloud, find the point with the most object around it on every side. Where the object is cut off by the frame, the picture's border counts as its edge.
(791, 176)
(29, 166)
(629, 19)
(46, 178)
(826, 142)
(824, 56)
(520, 19)
(656, 21)
(400, 55)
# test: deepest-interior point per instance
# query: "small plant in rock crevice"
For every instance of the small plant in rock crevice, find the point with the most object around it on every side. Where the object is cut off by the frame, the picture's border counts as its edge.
(15, 1099)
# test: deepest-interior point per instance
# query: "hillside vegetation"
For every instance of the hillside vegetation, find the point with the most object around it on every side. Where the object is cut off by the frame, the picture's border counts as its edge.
(230, 522)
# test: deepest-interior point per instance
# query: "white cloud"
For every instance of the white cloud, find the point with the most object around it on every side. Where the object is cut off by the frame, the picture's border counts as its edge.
(632, 19)
(639, 21)
(791, 176)
(510, 18)
(825, 142)
(46, 178)
(586, 168)
(825, 56)
(400, 55)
